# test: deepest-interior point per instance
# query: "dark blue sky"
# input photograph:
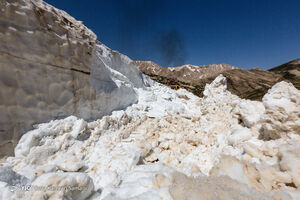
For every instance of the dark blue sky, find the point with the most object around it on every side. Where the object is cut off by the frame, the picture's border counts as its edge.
(244, 33)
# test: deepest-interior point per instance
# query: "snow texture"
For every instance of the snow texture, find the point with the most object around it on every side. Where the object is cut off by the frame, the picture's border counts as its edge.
(139, 152)
(149, 141)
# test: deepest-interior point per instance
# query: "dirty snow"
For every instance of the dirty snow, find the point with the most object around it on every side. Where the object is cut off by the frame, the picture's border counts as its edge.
(134, 153)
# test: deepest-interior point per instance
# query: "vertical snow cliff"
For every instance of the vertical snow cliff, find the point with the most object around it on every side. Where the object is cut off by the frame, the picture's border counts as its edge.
(52, 66)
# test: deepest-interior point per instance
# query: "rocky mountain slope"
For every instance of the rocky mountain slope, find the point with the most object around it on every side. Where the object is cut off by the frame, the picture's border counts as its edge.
(184, 73)
(289, 71)
(249, 84)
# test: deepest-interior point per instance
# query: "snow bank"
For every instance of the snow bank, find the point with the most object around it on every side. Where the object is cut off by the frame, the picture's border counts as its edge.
(52, 66)
(282, 104)
(160, 144)
(136, 153)
(61, 185)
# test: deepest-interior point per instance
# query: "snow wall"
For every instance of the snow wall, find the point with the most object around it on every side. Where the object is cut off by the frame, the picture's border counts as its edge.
(52, 66)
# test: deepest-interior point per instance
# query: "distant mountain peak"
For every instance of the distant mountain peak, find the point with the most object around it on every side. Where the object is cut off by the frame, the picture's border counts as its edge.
(250, 84)
(186, 73)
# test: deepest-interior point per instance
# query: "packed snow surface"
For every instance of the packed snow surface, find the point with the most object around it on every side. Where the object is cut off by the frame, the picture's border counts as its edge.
(164, 147)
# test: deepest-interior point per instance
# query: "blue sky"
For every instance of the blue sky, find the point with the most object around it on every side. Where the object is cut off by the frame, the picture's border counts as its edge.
(244, 33)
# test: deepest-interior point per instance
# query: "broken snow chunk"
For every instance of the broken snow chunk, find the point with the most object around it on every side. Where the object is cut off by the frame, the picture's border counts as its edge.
(239, 134)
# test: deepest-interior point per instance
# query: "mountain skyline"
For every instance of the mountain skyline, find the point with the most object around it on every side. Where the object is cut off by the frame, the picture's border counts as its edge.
(246, 34)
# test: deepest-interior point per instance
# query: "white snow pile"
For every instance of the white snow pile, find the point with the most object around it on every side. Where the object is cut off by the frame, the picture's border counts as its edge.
(169, 145)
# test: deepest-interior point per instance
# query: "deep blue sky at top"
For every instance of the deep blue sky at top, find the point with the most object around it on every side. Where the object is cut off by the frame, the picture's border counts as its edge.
(244, 33)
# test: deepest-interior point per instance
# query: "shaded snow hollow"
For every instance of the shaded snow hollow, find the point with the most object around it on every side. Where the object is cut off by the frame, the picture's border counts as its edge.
(144, 151)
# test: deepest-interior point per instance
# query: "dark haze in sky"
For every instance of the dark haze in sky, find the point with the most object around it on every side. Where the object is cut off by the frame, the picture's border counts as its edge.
(136, 19)
(172, 49)
(243, 33)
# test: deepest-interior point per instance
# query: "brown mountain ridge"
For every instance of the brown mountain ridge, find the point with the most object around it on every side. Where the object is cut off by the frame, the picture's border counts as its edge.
(249, 84)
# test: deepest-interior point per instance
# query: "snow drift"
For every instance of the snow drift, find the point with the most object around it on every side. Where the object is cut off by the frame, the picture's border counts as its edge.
(146, 141)
(52, 66)
(144, 151)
